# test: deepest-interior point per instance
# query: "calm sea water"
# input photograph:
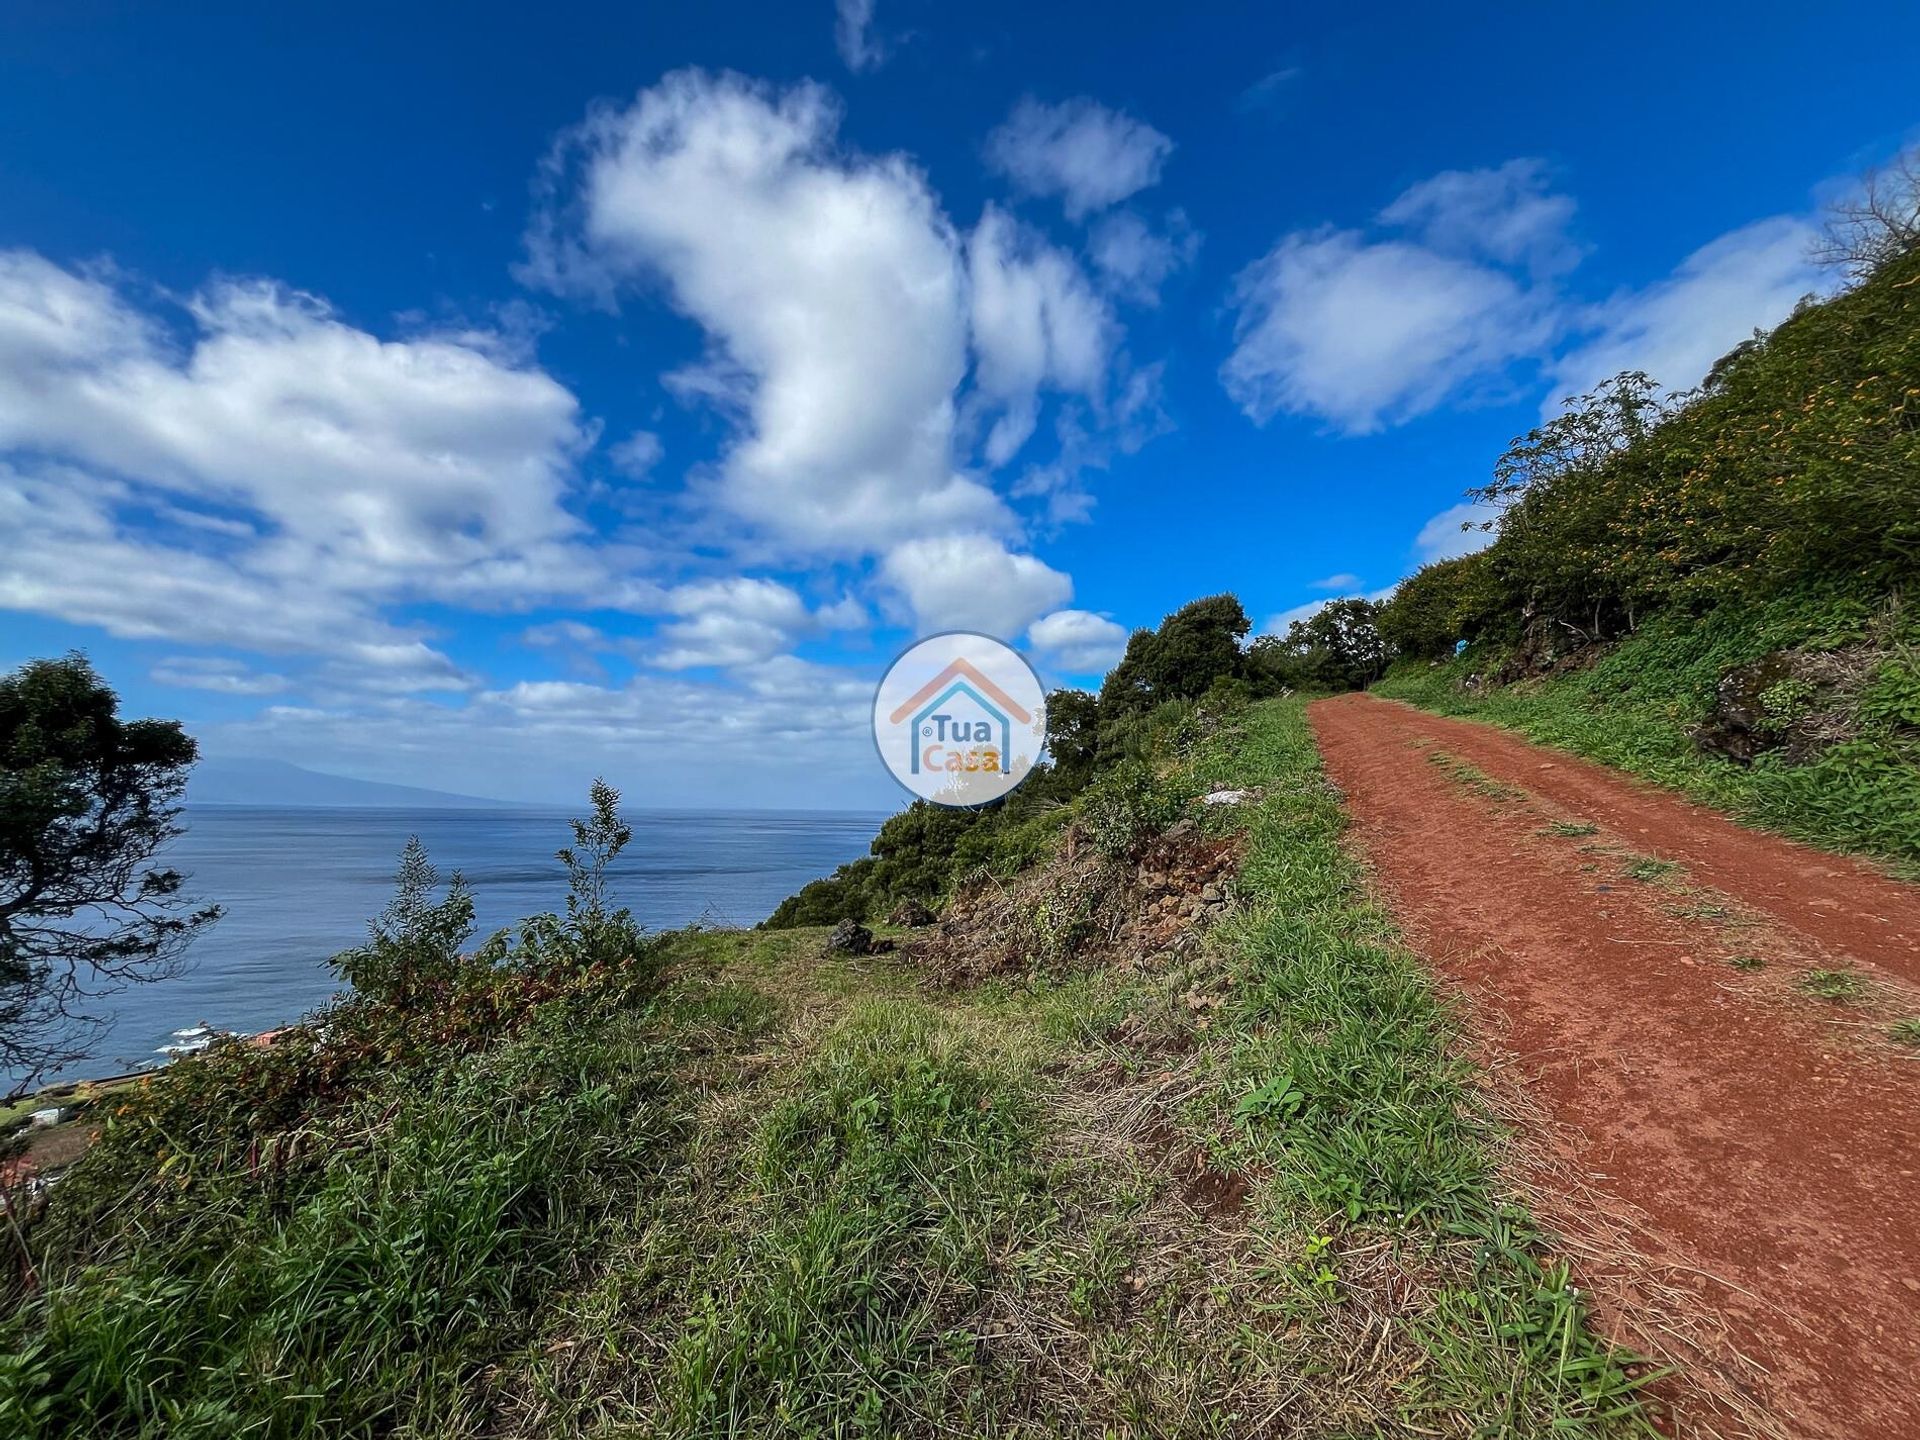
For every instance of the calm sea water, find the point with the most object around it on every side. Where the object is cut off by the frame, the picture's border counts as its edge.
(300, 885)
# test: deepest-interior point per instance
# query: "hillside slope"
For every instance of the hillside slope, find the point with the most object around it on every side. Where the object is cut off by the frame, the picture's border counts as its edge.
(1161, 1147)
(1715, 591)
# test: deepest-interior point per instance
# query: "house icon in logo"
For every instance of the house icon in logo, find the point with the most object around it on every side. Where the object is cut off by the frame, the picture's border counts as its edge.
(958, 706)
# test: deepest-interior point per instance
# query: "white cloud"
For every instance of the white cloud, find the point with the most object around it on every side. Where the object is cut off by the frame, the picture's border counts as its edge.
(853, 35)
(973, 582)
(1368, 333)
(71, 555)
(1456, 531)
(1036, 323)
(785, 732)
(371, 462)
(1506, 214)
(1135, 259)
(1342, 581)
(1676, 328)
(636, 455)
(830, 286)
(262, 475)
(740, 621)
(1365, 332)
(1090, 156)
(1078, 641)
(222, 677)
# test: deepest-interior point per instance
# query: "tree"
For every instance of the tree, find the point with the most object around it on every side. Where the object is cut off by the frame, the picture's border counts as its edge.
(1194, 646)
(1878, 223)
(1339, 645)
(87, 802)
(1198, 644)
(1073, 737)
(413, 950)
(1435, 606)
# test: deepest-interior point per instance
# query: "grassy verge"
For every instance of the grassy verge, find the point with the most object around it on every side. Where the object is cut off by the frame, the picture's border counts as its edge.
(1633, 709)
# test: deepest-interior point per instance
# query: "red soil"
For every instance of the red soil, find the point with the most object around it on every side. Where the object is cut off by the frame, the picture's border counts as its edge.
(1765, 1143)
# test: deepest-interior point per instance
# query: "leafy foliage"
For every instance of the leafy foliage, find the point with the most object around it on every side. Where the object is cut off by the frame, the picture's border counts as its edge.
(1791, 469)
(413, 948)
(1636, 705)
(1155, 691)
(1338, 647)
(335, 1231)
(87, 801)
(1194, 646)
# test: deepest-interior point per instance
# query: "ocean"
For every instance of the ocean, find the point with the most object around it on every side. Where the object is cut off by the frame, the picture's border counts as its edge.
(300, 885)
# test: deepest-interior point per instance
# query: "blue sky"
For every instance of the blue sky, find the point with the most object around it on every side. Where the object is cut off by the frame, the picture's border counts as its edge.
(491, 402)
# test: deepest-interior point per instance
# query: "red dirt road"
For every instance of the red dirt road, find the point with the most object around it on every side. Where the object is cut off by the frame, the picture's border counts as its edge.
(1765, 1143)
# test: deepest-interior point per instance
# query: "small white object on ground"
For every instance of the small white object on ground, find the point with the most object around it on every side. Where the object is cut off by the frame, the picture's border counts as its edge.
(1227, 797)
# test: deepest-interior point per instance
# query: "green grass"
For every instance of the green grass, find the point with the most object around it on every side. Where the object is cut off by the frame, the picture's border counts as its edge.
(1471, 778)
(1634, 706)
(1747, 963)
(1651, 870)
(1840, 986)
(1571, 829)
(1905, 1032)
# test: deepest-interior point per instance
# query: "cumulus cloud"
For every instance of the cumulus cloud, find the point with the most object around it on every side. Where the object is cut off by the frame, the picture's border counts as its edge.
(72, 553)
(1036, 323)
(1134, 259)
(1088, 155)
(973, 582)
(830, 286)
(1507, 214)
(373, 461)
(1365, 330)
(853, 35)
(261, 474)
(1365, 333)
(740, 621)
(1676, 328)
(1077, 642)
(1458, 530)
(857, 339)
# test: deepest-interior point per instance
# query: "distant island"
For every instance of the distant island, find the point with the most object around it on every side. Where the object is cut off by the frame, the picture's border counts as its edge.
(275, 782)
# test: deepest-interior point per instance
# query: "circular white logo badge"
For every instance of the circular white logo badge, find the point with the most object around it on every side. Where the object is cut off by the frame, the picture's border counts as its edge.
(960, 718)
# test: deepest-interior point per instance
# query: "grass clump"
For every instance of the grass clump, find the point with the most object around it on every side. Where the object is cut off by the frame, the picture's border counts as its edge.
(1905, 1032)
(1747, 964)
(1651, 870)
(1471, 777)
(1840, 986)
(1571, 829)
